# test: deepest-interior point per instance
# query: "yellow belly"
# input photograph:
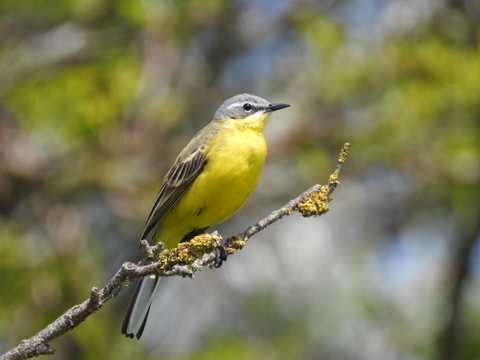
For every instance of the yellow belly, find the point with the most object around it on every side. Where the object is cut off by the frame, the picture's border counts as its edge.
(235, 162)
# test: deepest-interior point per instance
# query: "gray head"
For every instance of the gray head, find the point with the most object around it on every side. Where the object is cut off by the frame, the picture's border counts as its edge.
(244, 105)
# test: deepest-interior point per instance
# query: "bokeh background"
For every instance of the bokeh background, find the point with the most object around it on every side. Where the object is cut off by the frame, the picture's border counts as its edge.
(97, 98)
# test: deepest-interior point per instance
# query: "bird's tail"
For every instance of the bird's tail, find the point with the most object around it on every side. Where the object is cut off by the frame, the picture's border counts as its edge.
(139, 307)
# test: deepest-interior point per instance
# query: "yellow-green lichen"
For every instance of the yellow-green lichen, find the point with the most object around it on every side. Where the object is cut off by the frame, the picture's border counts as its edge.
(316, 204)
(187, 252)
(235, 243)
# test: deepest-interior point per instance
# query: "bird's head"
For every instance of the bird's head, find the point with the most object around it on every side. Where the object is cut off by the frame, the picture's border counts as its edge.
(246, 111)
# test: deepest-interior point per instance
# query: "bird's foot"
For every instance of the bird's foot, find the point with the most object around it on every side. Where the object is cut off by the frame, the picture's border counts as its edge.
(220, 256)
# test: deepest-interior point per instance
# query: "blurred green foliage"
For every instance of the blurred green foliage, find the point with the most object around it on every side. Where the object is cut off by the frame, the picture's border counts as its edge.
(98, 97)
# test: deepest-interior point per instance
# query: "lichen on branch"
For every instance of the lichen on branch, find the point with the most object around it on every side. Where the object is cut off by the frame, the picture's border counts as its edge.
(184, 260)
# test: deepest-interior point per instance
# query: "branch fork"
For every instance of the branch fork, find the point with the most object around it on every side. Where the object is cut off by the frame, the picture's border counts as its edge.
(184, 260)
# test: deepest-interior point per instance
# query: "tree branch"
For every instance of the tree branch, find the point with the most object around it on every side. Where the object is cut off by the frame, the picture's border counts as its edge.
(184, 260)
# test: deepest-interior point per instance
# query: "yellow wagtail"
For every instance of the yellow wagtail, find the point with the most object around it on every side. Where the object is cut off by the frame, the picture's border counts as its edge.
(210, 181)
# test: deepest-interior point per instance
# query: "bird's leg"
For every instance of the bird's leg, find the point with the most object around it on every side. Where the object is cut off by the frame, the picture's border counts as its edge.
(221, 254)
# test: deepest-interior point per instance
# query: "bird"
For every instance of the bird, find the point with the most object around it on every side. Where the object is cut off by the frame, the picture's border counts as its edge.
(211, 179)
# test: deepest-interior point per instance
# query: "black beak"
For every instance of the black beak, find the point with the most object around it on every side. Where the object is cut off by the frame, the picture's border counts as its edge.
(275, 107)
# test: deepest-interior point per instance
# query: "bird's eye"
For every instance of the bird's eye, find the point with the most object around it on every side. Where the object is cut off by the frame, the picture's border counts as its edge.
(247, 107)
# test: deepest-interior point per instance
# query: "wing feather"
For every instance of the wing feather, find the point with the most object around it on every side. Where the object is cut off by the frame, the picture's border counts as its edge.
(178, 180)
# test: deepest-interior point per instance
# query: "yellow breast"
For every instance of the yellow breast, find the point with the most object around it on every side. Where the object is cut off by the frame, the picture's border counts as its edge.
(235, 159)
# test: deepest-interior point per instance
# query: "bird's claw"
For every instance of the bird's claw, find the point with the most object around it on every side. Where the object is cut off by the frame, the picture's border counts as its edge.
(220, 256)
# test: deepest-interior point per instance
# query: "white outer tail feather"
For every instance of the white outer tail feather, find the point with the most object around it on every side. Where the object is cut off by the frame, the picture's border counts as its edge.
(139, 307)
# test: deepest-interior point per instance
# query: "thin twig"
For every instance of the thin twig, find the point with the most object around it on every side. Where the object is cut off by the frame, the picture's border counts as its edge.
(184, 260)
